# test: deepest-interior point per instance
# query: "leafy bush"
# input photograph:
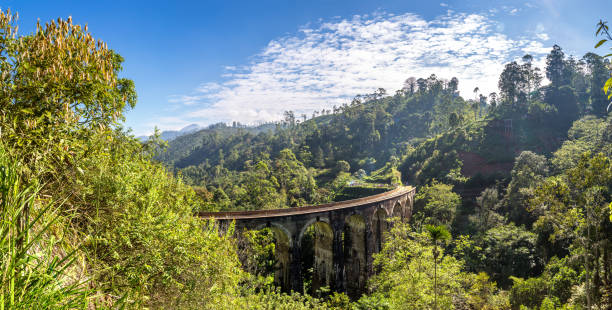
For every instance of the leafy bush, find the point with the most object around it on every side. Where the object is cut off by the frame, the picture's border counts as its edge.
(34, 274)
(436, 204)
(530, 292)
(144, 241)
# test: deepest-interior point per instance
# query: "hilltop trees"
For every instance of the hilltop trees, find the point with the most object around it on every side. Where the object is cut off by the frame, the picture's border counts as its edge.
(599, 74)
(555, 67)
(517, 82)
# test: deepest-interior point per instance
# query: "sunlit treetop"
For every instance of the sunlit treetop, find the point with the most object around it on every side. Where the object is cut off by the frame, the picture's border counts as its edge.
(60, 74)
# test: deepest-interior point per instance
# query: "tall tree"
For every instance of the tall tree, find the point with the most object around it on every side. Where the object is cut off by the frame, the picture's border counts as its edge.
(598, 76)
(436, 234)
(55, 85)
(511, 83)
(555, 66)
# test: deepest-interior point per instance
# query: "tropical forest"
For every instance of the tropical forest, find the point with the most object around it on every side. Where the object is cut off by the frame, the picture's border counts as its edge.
(504, 194)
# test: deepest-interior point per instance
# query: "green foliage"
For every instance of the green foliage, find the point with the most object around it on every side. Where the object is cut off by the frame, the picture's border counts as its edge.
(437, 233)
(33, 275)
(256, 251)
(549, 304)
(406, 277)
(145, 243)
(561, 277)
(408, 273)
(603, 30)
(436, 204)
(266, 184)
(599, 75)
(482, 294)
(438, 166)
(272, 299)
(588, 134)
(55, 83)
(372, 302)
(517, 82)
(343, 166)
(388, 174)
(488, 203)
(555, 67)
(338, 301)
(508, 250)
(354, 192)
(575, 205)
(564, 99)
(528, 171)
(529, 293)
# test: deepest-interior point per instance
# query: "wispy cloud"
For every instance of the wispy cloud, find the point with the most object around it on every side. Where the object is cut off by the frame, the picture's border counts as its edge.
(540, 32)
(327, 64)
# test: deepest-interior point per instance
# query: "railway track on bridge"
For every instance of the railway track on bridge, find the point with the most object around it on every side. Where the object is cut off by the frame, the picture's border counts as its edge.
(255, 214)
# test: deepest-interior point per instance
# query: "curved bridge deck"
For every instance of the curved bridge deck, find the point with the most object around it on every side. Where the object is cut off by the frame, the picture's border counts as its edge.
(259, 214)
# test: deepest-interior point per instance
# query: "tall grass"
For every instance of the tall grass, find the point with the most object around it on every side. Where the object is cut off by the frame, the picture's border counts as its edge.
(32, 274)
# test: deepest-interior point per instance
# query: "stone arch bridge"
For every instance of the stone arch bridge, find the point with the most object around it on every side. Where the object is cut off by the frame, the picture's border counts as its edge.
(341, 237)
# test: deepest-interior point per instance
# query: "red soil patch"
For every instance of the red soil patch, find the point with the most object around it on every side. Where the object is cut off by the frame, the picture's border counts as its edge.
(474, 164)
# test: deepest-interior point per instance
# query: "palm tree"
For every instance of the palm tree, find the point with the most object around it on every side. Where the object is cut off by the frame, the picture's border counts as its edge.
(475, 107)
(436, 233)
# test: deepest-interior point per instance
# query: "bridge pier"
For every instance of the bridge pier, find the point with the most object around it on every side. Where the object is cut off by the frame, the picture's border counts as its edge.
(369, 247)
(338, 283)
(296, 283)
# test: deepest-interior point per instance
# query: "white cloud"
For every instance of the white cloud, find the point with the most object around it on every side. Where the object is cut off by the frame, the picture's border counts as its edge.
(327, 64)
(530, 5)
(539, 32)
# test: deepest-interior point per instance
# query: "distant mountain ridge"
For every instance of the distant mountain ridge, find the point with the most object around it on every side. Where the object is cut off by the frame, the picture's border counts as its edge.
(168, 135)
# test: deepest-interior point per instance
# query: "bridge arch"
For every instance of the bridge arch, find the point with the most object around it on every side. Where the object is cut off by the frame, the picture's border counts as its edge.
(316, 243)
(398, 210)
(282, 254)
(379, 227)
(308, 224)
(276, 228)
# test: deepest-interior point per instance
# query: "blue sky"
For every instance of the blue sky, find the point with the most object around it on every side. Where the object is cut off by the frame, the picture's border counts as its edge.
(209, 61)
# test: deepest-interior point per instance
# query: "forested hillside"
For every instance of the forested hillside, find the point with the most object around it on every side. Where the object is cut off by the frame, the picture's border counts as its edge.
(484, 168)
(513, 208)
(366, 138)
